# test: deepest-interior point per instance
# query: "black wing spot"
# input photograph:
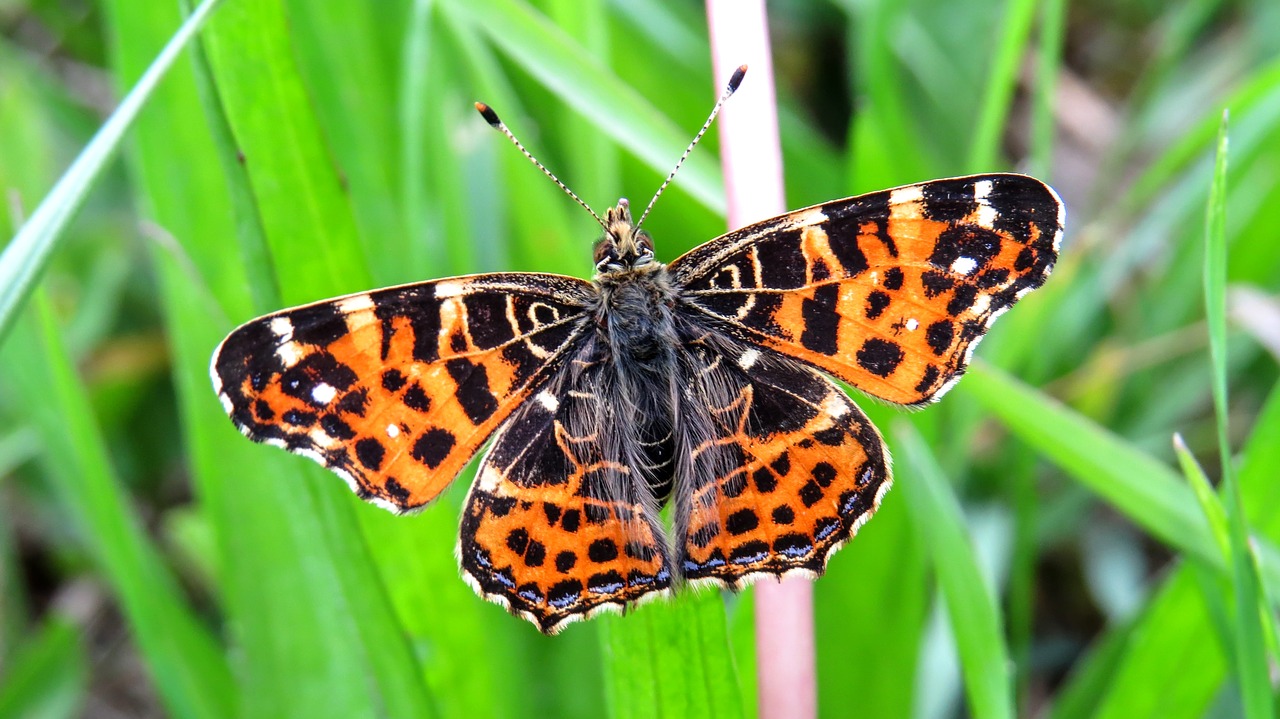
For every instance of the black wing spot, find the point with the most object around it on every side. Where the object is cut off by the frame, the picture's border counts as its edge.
(299, 418)
(602, 550)
(354, 402)
(764, 479)
(565, 561)
(564, 593)
(929, 379)
(473, 393)
(940, 335)
(823, 474)
(605, 582)
(552, 511)
(393, 380)
(749, 552)
(397, 490)
(880, 357)
(263, 410)
(741, 522)
(810, 493)
(781, 465)
(518, 540)
(572, 519)
(416, 398)
(535, 554)
(962, 299)
(877, 301)
(433, 446)
(370, 453)
(793, 546)
(821, 320)
(336, 428)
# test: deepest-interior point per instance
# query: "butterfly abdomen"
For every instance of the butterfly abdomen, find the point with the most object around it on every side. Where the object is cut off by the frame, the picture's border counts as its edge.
(636, 325)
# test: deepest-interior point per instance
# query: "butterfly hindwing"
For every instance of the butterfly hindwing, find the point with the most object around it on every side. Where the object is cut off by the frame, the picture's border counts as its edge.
(794, 468)
(888, 291)
(553, 528)
(396, 389)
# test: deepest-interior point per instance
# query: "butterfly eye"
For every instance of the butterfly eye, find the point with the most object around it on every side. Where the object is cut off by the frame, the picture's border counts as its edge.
(644, 244)
(605, 256)
(602, 251)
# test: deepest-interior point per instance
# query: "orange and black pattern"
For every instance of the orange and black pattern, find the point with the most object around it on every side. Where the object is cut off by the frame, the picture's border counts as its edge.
(702, 385)
(395, 390)
(888, 291)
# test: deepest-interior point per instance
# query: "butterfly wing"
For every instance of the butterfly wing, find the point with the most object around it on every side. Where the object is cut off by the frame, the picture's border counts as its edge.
(888, 291)
(792, 469)
(395, 390)
(554, 528)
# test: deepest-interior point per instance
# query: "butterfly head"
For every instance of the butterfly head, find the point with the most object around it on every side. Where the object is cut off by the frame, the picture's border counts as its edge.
(623, 246)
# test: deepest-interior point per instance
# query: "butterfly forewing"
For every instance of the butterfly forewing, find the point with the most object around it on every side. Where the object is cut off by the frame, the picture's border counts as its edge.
(888, 291)
(396, 389)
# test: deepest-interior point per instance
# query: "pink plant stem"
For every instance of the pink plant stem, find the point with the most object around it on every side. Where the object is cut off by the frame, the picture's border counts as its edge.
(751, 156)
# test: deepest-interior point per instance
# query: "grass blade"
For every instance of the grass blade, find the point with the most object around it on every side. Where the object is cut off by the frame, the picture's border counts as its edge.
(1212, 507)
(187, 665)
(1146, 490)
(1048, 65)
(984, 153)
(584, 84)
(671, 659)
(310, 226)
(971, 605)
(27, 254)
(48, 677)
(1250, 654)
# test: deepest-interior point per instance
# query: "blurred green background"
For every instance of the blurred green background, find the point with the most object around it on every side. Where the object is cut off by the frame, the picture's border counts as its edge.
(1042, 553)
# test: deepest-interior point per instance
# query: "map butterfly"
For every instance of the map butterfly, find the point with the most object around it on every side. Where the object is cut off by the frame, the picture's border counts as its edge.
(704, 384)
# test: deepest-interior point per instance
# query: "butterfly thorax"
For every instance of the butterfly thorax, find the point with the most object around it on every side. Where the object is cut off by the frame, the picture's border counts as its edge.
(635, 327)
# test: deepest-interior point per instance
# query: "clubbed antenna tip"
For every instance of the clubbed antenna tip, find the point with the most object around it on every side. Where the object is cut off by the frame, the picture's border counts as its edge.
(734, 81)
(490, 116)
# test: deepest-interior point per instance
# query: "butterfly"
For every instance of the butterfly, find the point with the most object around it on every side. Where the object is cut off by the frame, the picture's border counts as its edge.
(704, 384)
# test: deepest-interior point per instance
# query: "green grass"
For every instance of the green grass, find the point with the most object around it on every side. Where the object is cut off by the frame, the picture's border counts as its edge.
(299, 150)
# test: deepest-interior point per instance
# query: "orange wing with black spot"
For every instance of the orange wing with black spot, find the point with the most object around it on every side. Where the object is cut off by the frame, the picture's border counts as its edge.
(395, 390)
(790, 472)
(557, 525)
(888, 291)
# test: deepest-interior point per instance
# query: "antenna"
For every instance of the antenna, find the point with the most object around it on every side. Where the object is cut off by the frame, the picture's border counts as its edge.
(734, 81)
(491, 117)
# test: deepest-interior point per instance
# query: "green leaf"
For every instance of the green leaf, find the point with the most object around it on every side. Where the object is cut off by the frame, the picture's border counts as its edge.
(27, 254)
(1144, 489)
(970, 600)
(583, 83)
(47, 677)
(1250, 603)
(1214, 512)
(1010, 48)
(189, 671)
(672, 659)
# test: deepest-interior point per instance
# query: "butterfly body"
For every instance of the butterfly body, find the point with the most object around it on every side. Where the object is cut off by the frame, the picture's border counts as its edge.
(703, 384)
